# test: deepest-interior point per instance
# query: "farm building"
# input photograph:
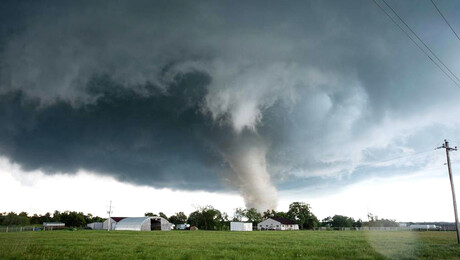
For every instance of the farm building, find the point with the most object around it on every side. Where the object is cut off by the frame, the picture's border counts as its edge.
(277, 224)
(53, 225)
(240, 226)
(113, 222)
(95, 225)
(143, 224)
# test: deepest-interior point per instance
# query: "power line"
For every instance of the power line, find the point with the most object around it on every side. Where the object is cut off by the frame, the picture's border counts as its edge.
(439, 11)
(393, 10)
(415, 42)
(393, 159)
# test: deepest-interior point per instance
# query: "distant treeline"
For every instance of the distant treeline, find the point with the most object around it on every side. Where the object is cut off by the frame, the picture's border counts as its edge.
(207, 218)
(70, 218)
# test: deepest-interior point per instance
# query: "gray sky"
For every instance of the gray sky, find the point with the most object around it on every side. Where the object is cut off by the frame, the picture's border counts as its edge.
(262, 99)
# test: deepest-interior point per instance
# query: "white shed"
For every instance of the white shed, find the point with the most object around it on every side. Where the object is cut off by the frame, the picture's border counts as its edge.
(240, 226)
(277, 224)
(143, 224)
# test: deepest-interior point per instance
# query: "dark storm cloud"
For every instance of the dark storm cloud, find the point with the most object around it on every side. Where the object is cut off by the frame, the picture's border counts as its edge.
(156, 139)
(198, 95)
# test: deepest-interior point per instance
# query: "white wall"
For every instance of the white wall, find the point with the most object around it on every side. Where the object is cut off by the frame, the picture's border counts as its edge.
(290, 227)
(240, 226)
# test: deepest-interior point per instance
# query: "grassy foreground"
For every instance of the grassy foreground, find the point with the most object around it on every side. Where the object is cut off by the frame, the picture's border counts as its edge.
(86, 244)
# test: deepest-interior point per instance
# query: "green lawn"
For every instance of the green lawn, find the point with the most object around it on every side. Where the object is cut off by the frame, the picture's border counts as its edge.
(86, 244)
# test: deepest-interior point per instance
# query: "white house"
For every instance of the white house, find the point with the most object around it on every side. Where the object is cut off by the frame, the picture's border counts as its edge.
(240, 226)
(277, 224)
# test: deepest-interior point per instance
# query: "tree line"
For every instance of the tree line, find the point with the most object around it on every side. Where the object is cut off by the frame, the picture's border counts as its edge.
(70, 218)
(210, 218)
(207, 218)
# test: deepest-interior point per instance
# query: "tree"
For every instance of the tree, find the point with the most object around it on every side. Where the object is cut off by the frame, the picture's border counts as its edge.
(150, 214)
(46, 218)
(56, 216)
(224, 221)
(376, 222)
(211, 218)
(207, 218)
(73, 218)
(253, 216)
(13, 219)
(312, 222)
(269, 214)
(178, 218)
(239, 214)
(163, 215)
(342, 221)
(301, 213)
(358, 223)
(195, 219)
(326, 222)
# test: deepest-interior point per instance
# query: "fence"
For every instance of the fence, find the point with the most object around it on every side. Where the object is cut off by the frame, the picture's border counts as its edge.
(367, 228)
(19, 228)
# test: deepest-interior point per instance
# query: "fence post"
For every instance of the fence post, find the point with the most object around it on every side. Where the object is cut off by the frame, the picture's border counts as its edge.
(6, 229)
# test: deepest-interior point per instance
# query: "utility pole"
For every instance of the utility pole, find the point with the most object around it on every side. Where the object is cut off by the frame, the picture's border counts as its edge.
(110, 212)
(445, 145)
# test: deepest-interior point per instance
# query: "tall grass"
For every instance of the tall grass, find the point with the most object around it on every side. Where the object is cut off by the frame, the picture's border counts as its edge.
(231, 245)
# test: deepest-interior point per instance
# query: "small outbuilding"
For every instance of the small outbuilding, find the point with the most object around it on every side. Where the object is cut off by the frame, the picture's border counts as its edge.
(240, 226)
(53, 225)
(143, 224)
(278, 224)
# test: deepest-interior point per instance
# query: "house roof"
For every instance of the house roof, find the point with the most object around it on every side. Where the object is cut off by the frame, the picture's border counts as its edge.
(285, 221)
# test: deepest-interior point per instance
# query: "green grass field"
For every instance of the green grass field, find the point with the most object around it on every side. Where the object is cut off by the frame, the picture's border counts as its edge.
(86, 244)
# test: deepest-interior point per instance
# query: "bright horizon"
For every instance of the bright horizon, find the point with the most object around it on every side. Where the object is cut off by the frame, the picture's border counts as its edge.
(414, 198)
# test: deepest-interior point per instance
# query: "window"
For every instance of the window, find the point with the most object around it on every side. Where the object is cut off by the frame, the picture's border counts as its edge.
(277, 225)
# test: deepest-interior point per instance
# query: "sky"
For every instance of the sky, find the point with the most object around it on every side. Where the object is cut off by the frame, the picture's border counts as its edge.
(171, 105)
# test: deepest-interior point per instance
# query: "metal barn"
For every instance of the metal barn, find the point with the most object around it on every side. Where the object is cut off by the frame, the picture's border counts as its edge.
(143, 224)
(95, 225)
(113, 222)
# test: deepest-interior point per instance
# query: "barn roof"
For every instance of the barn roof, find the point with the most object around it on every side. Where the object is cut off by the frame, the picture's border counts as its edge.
(285, 221)
(117, 219)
